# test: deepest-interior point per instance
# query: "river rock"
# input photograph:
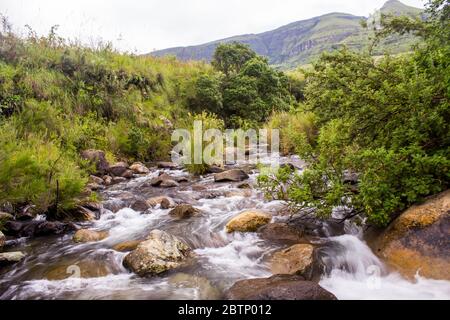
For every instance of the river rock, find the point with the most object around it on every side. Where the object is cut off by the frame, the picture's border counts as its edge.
(296, 260)
(26, 213)
(128, 174)
(7, 258)
(238, 193)
(244, 185)
(163, 202)
(206, 291)
(83, 269)
(167, 165)
(419, 240)
(107, 180)
(118, 169)
(169, 184)
(96, 180)
(95, 186)
(156, 182)
(139, 168)
(140, 205)
(282, 232)
(85, 235)
(248, 221)
(2, 240)
(184, 211)
(98, 158)
(36, 228)
(127, 246)
(215, 169)
(235, 175)
(117, 180)
(279, 287)
(159, 253)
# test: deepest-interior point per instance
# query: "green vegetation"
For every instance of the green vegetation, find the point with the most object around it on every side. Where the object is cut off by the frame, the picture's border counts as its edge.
(382, 141)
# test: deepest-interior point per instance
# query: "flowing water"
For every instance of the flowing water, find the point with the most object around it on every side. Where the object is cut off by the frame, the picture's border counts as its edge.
(53, 264)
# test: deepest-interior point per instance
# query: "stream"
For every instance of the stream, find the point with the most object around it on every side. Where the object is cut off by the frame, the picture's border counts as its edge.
(49, 271)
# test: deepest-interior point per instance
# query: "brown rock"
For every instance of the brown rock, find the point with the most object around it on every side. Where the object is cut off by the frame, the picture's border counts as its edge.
(296, 260)
(2, 240)
(139, 168)
(127, 245)
(235, 175)
(164, 202)
(280, 287)
(169, 184)
(98, 158)
(128, 174)
(248, 221)
(140, 205)
(85, 235)
(86, 269)
(96, 180)
(167, 165)
(281, 232)
(184, 211)
(419, 240)
(118, 169)
(107, 180)
(117, 180)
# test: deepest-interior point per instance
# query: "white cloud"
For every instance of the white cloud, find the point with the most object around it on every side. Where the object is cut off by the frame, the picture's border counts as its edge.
(144, 25)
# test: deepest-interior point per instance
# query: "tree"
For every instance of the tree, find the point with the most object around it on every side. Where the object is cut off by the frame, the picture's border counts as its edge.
(229, 58)
(383, 141)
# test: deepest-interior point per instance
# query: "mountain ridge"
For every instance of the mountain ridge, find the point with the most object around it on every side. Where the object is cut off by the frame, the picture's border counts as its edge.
(302, 41)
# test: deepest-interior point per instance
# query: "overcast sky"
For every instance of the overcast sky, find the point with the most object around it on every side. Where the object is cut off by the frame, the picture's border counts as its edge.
(144, 25)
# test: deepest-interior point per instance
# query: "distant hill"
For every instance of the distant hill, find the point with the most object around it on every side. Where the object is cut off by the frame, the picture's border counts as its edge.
(302, 41)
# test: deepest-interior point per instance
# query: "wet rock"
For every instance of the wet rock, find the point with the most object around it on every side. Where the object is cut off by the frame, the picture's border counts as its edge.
(159, 253)
(98, 158)
(169, 184)
(248, 221)
(279, 287)
(26, 213)
(199, 188)
(127, 246)
(117, 180)
(206, 291)
(167, 165)
(296, 260)
(83, 269)
(96, 180)
(37, 228)
(7, 258)
(118, 169)
(82, 213)
(107, 180)
(139, 168)
(85, 235)
(140, 205)
(128, 174)
(95, 187)
(419, 240)
(215, 169)
(163, 202)
(244, 185)
(184, 211)
(2, 240)
(235, 175)
(281, 232)
(114, 205)
(238, 193)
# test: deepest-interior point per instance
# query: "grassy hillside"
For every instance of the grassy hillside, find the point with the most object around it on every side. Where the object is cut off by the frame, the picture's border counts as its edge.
(301, 42)
(58, 99)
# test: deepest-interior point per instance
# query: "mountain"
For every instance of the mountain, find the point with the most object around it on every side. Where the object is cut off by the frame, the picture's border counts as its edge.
(301, 42)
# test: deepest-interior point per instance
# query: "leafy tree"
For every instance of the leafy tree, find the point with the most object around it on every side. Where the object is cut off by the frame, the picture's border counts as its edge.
(208, 94)
(383, 141)
(229, 58)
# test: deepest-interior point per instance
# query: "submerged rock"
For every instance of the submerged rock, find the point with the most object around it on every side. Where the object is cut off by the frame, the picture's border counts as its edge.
(206, 291)
(296, 260)
(184, 211)
(248, 221)
(85, 235)
(83, 269)
(235, 175)
(127, 245)
(159, 253)
(281, 232)
(280, 287)
(418, 241)
(7, 258)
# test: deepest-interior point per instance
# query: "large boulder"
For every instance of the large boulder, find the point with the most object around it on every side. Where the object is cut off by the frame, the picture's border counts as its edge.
(139, 168)
(280, 287)
(184, 211)
(7, 258)
(2, 240)
(296, 260)
(235, 175)
(118, 169)
(85, 235)
(248, 221)
(281, 232)
(98, 158)
(159, 253)
(418, 241)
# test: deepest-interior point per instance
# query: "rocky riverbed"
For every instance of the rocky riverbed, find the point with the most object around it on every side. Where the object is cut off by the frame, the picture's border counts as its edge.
(161, 233)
